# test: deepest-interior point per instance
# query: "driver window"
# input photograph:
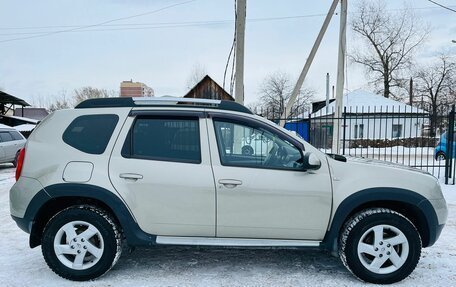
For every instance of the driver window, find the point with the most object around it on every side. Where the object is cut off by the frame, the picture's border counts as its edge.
(242, 145)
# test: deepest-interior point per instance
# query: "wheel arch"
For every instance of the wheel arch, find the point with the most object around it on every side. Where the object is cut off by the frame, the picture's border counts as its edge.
(55, 198)
(408, 203)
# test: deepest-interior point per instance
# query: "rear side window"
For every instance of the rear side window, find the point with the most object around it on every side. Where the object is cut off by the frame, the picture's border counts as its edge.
(91, 133)
(166, 139)
(16, 135)
(5, 137)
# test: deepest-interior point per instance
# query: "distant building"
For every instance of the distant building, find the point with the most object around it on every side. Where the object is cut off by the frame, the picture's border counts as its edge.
(135, 89)
(31, 113)
(207, 88)
(369, 116)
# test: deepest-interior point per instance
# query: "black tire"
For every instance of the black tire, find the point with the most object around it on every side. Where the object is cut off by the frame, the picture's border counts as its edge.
(110, 233)
(247, 150)
(361, 223)
(440, 156)
(15, 159)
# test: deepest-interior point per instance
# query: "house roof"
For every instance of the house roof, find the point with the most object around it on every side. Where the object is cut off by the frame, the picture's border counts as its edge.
(32, 113)
(364, 102)
(9, 99)
(207, 88)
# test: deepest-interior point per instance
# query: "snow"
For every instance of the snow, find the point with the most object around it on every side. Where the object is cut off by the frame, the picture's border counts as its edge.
(192, 266)
(362, 101)
(25, 127)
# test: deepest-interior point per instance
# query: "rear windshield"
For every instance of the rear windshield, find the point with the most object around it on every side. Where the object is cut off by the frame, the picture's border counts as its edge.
(91, 133)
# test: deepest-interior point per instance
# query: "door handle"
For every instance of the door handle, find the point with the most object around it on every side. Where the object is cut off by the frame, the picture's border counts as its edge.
(131, 176)
(230, 183)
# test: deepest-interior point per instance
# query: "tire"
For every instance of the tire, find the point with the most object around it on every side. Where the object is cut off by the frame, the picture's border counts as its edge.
(247, 150)
(81, 243)
(440, 156)
(383, 238)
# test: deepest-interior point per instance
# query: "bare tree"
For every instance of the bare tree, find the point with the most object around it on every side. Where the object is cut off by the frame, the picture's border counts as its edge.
(390, 40)
(60, 102)
(275, 91)
(85, 93)
(435, 83)
(197, 73)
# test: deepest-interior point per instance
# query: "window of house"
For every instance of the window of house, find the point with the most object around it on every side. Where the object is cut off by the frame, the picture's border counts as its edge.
(397, 131)
(245, 146)
(359, 131)
(166, 139)
(90, 133)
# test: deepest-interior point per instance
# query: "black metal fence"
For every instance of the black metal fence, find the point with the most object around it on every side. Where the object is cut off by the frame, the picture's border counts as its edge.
(399, 134)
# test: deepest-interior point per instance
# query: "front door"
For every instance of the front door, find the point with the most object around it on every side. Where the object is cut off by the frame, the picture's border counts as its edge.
(262, 189)
(161, 168)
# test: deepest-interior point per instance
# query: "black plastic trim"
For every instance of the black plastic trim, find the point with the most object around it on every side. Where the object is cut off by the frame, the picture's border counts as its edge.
(128, 102)
(134, 234)
(384, 194)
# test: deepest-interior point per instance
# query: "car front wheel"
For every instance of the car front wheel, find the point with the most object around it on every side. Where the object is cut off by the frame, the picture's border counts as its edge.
(379, 245)
(81, 243)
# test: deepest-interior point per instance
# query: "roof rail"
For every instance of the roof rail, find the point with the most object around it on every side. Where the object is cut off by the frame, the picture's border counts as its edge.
(161, 100)
(174, 102)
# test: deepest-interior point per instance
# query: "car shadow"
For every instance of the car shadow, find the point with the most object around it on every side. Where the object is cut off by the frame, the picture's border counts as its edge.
(227, 264)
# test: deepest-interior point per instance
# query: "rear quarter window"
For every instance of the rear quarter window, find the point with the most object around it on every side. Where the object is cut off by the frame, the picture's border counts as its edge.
(90, 133)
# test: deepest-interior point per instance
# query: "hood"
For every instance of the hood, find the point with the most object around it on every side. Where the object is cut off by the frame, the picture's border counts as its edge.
(376, 162)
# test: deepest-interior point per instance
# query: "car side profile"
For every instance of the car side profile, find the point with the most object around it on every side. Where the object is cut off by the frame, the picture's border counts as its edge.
(11, 142)
(173, 171)
(441, 150)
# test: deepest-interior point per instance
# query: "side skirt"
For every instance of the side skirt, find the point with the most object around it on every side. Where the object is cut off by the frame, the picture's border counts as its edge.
(212, 241)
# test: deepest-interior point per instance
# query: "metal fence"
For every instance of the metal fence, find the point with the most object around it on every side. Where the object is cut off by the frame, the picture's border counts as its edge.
(408, 136)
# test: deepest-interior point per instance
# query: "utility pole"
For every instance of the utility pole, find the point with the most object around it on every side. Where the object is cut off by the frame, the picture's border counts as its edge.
(309, 60)
(239, 40)
(340, 77)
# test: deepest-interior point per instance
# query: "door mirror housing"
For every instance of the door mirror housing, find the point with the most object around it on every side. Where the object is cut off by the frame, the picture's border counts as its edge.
(310, 161)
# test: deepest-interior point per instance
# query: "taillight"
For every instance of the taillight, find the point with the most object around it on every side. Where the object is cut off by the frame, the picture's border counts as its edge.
(20, 163)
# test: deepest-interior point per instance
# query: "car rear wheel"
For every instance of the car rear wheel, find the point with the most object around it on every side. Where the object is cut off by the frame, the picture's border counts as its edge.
(380, 246)
(81, 243)
(440, 156)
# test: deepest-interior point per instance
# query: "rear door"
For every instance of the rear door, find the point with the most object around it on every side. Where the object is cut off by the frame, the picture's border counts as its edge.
(161, 167)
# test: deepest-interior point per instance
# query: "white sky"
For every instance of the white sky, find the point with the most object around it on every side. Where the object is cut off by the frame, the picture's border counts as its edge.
(40, 68)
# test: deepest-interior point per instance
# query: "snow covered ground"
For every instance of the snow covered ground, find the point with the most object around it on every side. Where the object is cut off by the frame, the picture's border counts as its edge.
(191, 266)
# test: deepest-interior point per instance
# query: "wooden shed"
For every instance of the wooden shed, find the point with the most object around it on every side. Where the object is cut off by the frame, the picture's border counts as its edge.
(207, 88)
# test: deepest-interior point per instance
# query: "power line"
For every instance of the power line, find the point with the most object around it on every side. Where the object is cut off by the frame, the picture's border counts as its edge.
(101, 23)
(157, 25)
(191, 23)
(443, 6)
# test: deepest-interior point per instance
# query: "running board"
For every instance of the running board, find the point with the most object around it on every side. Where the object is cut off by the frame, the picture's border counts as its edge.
(214, 241)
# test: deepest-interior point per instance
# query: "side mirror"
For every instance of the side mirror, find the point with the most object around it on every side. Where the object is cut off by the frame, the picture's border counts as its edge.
(311, 161)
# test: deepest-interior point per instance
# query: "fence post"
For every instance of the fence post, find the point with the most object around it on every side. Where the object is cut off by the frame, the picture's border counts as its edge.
(449, 145)
(344, 125)
(309, 127)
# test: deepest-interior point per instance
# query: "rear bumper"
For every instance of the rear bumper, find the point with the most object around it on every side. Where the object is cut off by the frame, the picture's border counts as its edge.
(23, 223)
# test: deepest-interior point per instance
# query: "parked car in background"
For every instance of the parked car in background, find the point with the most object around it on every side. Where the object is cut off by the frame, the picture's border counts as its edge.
(440, 152)
(11, 142)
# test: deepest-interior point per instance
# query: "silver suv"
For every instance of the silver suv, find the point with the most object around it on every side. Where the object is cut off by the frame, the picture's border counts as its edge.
(173, 171)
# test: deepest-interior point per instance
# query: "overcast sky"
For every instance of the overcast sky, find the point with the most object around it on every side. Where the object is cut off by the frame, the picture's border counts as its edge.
(162, 56)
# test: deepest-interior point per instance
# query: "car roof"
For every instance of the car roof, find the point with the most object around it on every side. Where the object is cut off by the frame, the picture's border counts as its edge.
(164, 102)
